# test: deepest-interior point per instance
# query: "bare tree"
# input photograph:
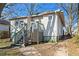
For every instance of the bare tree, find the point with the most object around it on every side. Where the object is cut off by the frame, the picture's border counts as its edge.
(78, 17)
(32, 9)
(71, 10)
(2, 5)
(9, 11)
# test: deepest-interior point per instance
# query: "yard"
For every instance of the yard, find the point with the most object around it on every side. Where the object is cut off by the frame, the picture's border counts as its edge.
(73, 46)
(69, 47)
(6, 50)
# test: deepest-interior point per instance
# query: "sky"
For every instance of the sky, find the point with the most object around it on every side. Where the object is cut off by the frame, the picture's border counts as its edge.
(20, 9)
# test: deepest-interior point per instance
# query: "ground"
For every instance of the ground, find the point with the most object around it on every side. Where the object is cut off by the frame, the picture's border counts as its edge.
(69, 47)
(46, 49)
(6, 49)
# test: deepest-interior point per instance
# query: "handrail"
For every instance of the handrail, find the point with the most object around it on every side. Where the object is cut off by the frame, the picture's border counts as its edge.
(14, 27)
(17, 36)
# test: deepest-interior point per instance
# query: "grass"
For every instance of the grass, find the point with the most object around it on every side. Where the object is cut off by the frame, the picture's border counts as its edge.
(5, 43)
(9, 52)
(46, 49)
(73, 46)
(6, 50)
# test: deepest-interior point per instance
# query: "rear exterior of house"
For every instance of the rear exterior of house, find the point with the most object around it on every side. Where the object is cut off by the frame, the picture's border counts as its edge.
(47, 26)
(4, 29)
(53, 24)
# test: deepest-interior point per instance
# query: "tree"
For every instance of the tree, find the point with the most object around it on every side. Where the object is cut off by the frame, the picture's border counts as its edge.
(71, 10)
(78, 17)
(2, 5)
(9, 11)
(32, 9)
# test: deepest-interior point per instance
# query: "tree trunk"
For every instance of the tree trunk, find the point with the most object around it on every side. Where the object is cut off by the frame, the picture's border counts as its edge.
(78, 18)
(78, 25)
(1, 7)
(70, 17)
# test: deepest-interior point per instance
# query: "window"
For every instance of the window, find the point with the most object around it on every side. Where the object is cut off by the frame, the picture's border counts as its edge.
(21, 24)
(16, 23)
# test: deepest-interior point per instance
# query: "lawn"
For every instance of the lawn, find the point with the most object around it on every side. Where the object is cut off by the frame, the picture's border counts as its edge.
(46, 49)
(73, 46)
(6, 49)
(5, 42)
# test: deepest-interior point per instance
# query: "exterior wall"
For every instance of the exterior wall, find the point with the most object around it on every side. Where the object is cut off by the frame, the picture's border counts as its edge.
(4, 27)
(13, 26)
(50, 31)
(53, 27)
(60, 28)
(4, 31)
(36, 34)
(12, 22)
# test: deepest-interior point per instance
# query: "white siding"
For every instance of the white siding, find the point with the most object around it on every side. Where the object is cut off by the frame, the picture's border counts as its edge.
(50, 25)
(12, 22)
(60, 28)
(4, 27)
(25, 20)
(44, 21)
(55, 26)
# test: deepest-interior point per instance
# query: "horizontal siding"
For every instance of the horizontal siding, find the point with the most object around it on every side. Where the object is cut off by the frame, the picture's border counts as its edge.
(4, 28)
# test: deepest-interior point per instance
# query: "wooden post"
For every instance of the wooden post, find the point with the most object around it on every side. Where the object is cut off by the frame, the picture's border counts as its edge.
(15, 36)
(23, 34)
(37, 32)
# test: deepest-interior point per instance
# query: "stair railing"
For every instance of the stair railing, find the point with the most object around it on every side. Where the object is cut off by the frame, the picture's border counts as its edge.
(17, 36)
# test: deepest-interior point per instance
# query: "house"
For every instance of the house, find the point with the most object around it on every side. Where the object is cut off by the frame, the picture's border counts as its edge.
(4, 28)
(48, 24)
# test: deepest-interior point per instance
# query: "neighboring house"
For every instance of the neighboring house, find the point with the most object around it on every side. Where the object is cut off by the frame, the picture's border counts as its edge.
(4, 28)
(49, 23)
(4, 25)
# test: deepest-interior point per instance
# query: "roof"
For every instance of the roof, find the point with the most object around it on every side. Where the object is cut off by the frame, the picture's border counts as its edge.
(5, 22)
(60, 13)
(41, 14)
